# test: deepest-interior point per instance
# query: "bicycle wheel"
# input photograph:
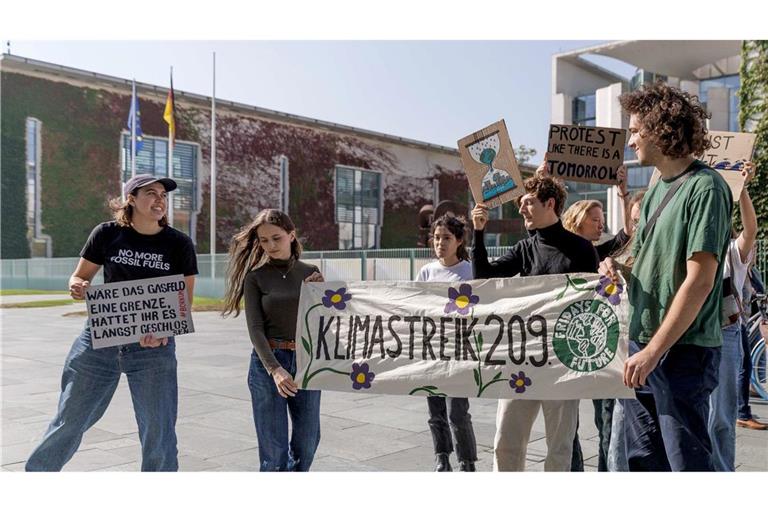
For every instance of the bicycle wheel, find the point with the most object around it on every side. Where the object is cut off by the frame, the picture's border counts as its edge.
(758, 377)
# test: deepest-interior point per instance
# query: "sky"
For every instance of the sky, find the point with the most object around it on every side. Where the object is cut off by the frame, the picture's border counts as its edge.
(432, 91)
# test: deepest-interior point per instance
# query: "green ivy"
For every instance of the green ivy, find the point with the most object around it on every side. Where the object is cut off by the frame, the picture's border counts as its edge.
(753, 97)
(13, 224)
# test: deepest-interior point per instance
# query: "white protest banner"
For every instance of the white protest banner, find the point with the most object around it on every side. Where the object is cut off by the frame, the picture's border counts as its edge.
(727, 154)
(545, 337)
(585, 153)
(120, 313)
(491, 167)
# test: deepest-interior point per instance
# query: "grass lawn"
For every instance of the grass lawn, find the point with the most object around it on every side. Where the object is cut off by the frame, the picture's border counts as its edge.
(13, 291)
(199, 304)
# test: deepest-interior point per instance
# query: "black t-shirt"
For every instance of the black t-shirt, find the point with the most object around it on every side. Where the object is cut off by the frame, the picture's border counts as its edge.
(612, 245)
(127, 254)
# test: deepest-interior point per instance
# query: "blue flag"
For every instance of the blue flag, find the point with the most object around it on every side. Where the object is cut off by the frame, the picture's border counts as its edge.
(134, 112)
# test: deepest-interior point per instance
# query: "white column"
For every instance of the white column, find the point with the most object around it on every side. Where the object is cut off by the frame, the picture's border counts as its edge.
(562, 109)
(608, 114)
(690, 86)
(718, 106)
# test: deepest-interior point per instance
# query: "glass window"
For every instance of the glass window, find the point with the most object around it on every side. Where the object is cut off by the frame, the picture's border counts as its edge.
(358, 207)
(730, 82)
(33, 173)
(153, 159)
(584, 111)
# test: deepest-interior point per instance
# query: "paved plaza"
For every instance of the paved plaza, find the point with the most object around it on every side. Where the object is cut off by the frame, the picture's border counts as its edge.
(215, 425)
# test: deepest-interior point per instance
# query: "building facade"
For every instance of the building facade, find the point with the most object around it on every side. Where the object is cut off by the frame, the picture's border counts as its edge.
(66, 151)
(587, 93)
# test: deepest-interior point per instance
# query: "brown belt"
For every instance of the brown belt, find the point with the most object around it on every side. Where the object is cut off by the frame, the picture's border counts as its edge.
(282, 345)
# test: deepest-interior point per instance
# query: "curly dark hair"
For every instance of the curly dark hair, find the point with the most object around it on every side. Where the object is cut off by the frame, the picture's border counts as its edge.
(674, 120)
(546, 187)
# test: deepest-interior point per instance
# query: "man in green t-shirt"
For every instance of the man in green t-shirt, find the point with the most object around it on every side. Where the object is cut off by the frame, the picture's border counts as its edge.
(674, 285)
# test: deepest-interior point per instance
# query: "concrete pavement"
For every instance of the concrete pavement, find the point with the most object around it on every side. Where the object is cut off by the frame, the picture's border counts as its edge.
(215, 425)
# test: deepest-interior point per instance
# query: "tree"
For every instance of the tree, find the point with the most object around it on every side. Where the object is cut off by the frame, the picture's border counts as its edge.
(523, 153)
(753, 97)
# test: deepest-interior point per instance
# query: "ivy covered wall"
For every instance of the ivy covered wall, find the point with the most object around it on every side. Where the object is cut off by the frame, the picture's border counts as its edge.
(80, 166)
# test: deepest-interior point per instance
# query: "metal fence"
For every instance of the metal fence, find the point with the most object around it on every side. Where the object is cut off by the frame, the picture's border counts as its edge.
(380, 264)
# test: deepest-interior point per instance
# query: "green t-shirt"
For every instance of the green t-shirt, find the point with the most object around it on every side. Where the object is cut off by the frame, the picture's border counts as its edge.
(697, 219)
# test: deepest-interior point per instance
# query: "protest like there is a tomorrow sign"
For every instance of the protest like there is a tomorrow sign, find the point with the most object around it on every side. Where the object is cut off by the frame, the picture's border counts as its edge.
(551, 337)
(585, 153)
(120, 313)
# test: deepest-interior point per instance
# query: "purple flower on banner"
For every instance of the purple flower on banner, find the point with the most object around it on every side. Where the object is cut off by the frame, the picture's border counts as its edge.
(361, 377)
(461, 300)
(610, 290)
(519, 382)
(336, 298)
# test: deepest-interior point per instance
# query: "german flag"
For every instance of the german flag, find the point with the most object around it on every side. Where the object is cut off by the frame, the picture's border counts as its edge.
(170, 113)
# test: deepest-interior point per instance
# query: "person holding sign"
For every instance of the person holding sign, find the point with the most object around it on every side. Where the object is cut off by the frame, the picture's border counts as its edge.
(675, 284)
(264, 268)
(550, 250)
(452, 265)
(139, 229)
(586, 219)
(723, 412)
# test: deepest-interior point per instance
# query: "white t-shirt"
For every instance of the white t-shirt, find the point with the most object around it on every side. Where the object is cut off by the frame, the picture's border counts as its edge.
(740, 270)
(436, 271)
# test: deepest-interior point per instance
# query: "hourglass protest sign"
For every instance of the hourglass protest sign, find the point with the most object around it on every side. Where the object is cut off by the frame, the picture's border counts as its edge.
(491, 166)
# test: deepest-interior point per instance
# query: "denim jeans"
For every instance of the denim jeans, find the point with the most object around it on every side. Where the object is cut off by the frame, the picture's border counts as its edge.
(603, 417)
(270, 415)
(454, 412)
(88, 383)
(745, 373)
(723, 402)
(666, 427)
(616, 459)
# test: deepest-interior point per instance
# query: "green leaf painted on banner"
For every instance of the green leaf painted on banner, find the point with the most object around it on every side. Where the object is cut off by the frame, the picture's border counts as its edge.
(578, 280)
(306, 345)
(480, 342)
(477, 376)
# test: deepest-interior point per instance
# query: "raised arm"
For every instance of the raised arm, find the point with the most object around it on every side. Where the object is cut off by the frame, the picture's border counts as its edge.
(746, 240)
(624, 199)
(506, 266)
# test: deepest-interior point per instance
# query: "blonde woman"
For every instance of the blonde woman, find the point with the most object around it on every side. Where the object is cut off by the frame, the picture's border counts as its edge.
(586, 219)
(265, 270)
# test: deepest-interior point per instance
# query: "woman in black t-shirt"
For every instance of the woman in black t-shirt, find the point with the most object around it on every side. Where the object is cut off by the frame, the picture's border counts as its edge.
(138, 244)
(264, 268)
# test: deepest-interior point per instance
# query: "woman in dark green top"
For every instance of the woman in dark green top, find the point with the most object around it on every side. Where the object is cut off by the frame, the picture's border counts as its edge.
(264, 269)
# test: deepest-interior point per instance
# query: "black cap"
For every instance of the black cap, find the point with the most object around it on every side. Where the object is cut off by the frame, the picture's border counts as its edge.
(142, 180)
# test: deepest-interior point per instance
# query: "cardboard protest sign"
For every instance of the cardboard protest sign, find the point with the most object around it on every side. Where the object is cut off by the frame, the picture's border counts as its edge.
(491, 166)
(546, 338)
(727, 154)
(120, 313)
(585, 153)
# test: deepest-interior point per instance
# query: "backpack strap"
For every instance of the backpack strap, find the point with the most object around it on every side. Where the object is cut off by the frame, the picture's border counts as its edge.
(695, 167)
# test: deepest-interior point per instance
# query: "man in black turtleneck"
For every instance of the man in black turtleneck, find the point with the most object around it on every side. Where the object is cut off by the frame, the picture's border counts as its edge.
(551, 249)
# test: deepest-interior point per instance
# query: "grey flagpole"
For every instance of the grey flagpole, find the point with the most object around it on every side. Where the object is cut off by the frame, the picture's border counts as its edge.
(213, 173)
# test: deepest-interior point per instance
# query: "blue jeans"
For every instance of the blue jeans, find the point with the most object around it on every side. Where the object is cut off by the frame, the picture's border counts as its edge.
(459, 420)
(666, 427)
(745, 373)
(603, 419)
(617, 452)
(88, 382)
(270, 414)
(724, 402)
